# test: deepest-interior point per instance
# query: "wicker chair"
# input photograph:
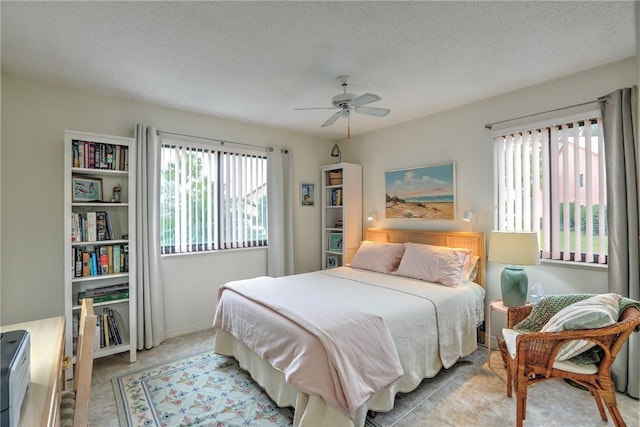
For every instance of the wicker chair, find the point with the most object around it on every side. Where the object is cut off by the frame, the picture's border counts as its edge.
(535, 353)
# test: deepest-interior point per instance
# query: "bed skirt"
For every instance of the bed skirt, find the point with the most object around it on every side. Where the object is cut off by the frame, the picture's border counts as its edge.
(310, 411)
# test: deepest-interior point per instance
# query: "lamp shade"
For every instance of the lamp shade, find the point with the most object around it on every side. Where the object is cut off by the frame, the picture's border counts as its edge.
(468, 215)
(517, 248)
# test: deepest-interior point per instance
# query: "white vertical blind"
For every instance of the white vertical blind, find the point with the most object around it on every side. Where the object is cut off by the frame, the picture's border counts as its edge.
(588, 193)
(602, 190)
(541, 170)
(218, 199)
(546, 196)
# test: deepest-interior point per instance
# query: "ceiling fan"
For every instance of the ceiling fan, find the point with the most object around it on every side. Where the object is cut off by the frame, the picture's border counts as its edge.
(348, 103)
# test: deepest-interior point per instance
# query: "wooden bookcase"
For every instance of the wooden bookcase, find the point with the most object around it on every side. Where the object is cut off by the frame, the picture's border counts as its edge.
(89, 195)
(341, 213)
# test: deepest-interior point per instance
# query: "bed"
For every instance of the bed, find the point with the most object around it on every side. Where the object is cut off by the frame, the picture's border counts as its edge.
(334, 344)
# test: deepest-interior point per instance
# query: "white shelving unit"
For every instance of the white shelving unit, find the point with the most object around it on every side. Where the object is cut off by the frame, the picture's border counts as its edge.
(341, 213)
(122, 225)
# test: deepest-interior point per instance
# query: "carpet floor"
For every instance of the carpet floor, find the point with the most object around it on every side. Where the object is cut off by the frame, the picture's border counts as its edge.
(470, 393)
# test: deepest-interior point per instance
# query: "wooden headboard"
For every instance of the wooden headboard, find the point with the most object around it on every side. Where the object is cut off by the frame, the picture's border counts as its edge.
(456, 239)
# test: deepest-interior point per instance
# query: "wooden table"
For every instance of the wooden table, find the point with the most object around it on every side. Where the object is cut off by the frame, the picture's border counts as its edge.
(41, 402)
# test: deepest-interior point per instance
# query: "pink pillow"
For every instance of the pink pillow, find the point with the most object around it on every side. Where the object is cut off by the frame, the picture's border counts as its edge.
(436, 264)
(380, 257)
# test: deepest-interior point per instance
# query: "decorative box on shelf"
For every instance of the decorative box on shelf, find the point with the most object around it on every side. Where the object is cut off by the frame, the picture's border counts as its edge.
(335, 177)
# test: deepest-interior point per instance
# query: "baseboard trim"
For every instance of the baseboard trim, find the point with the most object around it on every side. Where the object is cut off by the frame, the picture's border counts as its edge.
(188, 329)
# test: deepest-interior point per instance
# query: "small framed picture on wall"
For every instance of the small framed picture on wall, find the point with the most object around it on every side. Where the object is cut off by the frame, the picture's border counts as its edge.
(307, 194)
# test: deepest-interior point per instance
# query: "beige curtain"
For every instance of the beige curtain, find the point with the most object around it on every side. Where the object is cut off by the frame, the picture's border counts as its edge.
(619, 118)
(280, 254)
(150, 293)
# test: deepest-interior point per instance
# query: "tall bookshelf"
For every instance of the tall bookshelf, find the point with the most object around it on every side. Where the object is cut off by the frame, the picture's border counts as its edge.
(341, 213)
(99, 236)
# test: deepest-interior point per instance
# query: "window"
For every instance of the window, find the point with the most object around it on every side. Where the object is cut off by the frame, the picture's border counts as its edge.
(551, 179)
(211, 199)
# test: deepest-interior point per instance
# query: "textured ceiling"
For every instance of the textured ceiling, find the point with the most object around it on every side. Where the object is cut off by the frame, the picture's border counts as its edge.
(258, 61)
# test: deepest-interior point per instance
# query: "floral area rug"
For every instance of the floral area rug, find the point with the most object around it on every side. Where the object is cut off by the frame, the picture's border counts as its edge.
(204, 389)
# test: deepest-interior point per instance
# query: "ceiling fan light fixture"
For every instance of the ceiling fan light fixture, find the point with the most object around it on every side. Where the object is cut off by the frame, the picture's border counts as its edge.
(348, 102)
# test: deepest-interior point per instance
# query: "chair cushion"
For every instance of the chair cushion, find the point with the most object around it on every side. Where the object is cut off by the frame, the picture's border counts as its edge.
(594, 312)
(547, 307)
(510, 336)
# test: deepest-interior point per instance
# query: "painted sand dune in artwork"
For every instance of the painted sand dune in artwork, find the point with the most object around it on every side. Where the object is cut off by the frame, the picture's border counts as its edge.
(420, 210)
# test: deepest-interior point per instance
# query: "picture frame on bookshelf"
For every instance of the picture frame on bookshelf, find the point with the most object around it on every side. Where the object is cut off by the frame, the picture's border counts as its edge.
(86, 188)
(335, 241)
(332, 261)
(307, 194)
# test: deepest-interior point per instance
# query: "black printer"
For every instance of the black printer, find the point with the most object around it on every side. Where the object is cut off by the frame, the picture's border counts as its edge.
(15, 375)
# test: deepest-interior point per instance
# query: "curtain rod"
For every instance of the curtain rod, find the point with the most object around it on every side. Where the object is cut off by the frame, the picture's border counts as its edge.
(607, 99)
(221, 141)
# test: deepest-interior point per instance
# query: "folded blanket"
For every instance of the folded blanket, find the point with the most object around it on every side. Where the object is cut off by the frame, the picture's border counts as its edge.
(548, 306)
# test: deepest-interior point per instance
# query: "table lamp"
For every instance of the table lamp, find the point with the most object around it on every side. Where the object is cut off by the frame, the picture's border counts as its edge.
(514, 249)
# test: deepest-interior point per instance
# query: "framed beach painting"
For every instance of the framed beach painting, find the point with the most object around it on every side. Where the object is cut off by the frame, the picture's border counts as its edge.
(426, 192)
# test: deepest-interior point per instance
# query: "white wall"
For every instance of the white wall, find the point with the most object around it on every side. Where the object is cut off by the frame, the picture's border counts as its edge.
(34, 118)
(35, 115)
(460, 135)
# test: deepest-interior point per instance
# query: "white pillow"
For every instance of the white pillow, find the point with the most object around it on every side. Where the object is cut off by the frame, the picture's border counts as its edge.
(436, 264)
(380, 257)
(594, 312)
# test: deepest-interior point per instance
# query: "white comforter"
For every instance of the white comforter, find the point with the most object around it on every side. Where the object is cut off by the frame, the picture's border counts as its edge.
(431, 325)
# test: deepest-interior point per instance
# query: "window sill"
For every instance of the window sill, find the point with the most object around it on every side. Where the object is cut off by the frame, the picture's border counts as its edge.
(214, 252)
(572, 264)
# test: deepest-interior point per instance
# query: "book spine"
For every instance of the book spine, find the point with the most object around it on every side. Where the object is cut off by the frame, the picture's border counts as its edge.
(81, 155)
(109, 326)
(92, 156)
(75, 154)
(109, 229)
(85, 264)
(116, 259)
(101, 322)
(115, 326)
(92, 235)
(125, 250)
(93, 264)
(110, 149)
(104, 260)
(110, 259)
(105, 327)
(78, 262)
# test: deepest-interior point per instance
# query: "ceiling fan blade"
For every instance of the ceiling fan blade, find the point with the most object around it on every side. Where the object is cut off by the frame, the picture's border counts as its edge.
(316, 108)
(332, 119)
(365, 98)
(373, 111)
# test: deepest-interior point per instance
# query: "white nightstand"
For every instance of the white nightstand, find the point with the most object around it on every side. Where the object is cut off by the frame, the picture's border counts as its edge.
(496, 305)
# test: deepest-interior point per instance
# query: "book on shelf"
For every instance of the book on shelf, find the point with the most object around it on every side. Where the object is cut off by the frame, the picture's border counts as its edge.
(110, 259)
(99, 259)
(102, 231)
(104, 260)
(336, 197)
(78, 262)
(116, 259)
(92, 235)
(85, 264)
(125, 250)
(96, 155)
(105, 294)
(113, 326)
(91, 227)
